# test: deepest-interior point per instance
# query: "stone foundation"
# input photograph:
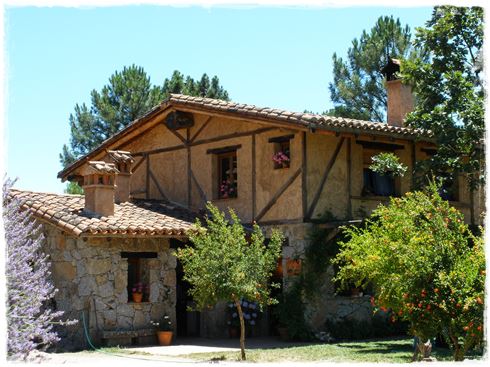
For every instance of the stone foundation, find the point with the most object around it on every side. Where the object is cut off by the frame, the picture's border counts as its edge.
(92, 282)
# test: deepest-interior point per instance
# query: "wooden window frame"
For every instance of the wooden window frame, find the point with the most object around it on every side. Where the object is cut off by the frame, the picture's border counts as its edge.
(232, 158)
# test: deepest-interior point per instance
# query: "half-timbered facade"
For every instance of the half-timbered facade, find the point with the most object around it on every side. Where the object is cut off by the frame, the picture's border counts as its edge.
(277, 168)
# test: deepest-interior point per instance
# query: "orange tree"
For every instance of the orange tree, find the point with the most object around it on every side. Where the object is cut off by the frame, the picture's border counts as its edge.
(227, 264)
(425, 265)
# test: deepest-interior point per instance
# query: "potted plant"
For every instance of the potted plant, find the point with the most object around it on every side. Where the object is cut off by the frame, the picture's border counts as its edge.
(137, 292)
(164, 330)
(281, 159)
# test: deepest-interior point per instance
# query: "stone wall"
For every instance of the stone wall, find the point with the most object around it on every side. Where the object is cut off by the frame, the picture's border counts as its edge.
(91, 277)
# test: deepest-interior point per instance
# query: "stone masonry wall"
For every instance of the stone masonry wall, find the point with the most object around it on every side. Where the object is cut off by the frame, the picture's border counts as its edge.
(91, 277)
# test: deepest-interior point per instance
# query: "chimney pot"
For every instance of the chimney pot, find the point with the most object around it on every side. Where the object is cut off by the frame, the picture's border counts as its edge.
(98, 185)
(399, 95)
(123, 161)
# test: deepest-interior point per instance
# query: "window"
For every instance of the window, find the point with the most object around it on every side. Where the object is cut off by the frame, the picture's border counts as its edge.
(282, 155)
(138, 274)
(282, 151)
(227, 175)
(375, 184)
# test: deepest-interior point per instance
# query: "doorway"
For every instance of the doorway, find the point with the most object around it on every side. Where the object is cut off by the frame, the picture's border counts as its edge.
(188, 322)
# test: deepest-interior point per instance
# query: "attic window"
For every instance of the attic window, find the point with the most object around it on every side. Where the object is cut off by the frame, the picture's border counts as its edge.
(282, 151)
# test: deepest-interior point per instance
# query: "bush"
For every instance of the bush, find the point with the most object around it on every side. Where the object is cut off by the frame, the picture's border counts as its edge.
(424, 264)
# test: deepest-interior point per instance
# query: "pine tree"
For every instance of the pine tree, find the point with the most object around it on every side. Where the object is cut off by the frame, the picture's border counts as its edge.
(29, 321)
(128, 95)
(357, 90)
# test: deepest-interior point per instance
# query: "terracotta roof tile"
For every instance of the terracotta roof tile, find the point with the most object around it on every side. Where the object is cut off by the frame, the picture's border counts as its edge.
(102, 167)
(306, 119)
(139, 217)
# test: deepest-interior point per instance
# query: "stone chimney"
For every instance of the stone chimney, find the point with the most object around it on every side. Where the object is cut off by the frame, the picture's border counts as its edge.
(98, 184)
(123, 161)
(400, 97)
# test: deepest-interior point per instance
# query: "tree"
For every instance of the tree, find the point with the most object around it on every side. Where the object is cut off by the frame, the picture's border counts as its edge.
(449, 91)
(29, 319)
(358, 90)
(424, 264)
(225, 265)
(128, 96)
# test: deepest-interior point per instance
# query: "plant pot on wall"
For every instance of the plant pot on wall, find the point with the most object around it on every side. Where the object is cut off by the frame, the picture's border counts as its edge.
(137, 297)
(165, 337)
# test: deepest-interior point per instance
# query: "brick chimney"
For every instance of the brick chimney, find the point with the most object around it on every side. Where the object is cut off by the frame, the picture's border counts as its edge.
(123, 161)
(98, 184)
(400, 97)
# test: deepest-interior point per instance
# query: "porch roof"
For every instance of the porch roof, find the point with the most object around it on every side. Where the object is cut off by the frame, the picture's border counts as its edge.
(142, 218)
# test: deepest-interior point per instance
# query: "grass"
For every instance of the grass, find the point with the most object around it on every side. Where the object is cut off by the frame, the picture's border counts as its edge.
(387, 351)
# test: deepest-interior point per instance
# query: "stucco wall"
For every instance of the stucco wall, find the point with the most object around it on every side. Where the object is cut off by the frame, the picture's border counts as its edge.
(92, 279)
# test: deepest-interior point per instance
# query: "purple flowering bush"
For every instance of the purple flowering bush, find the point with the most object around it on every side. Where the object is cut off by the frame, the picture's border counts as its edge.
(30, 321)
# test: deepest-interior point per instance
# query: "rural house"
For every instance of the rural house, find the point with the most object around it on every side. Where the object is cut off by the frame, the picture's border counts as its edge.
(145, 186)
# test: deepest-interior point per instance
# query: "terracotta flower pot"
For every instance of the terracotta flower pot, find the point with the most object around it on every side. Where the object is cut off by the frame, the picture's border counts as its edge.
(165, 337)
(137, 297)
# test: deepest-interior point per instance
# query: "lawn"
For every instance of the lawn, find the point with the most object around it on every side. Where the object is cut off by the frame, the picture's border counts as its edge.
(388, 351)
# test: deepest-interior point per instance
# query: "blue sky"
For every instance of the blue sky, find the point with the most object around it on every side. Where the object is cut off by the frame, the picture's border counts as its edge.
(276, 57)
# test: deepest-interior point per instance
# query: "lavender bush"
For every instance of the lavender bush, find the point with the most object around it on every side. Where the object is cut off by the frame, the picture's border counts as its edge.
(29, 321)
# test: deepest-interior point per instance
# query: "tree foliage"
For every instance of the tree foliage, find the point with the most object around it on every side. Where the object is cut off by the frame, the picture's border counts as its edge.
(357, 90)
(222, 265)
(29, 319)
(424, 264)
(449, 91)
(128, 96)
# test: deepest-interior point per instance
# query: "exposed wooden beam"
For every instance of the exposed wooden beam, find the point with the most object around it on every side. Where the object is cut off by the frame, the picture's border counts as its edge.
(147, 176)
(379, 145)
(159, 150)
(280, 139)
(233, 135)
(138, 164)
(189, 179)
(204, 141)
(278, 222)
(349, 177)
(177, 134)
(230, 148)
(293, 126)
(276, 196)
(254, 180)
(203, 126)
(328, 168)
(304, 183)
(159, 188)
(202, 194)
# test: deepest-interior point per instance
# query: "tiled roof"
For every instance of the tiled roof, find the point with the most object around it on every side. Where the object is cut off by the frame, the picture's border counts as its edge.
(136, 218)
(102, 167)
(297, 118)
(264, 114)
(120, 156)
